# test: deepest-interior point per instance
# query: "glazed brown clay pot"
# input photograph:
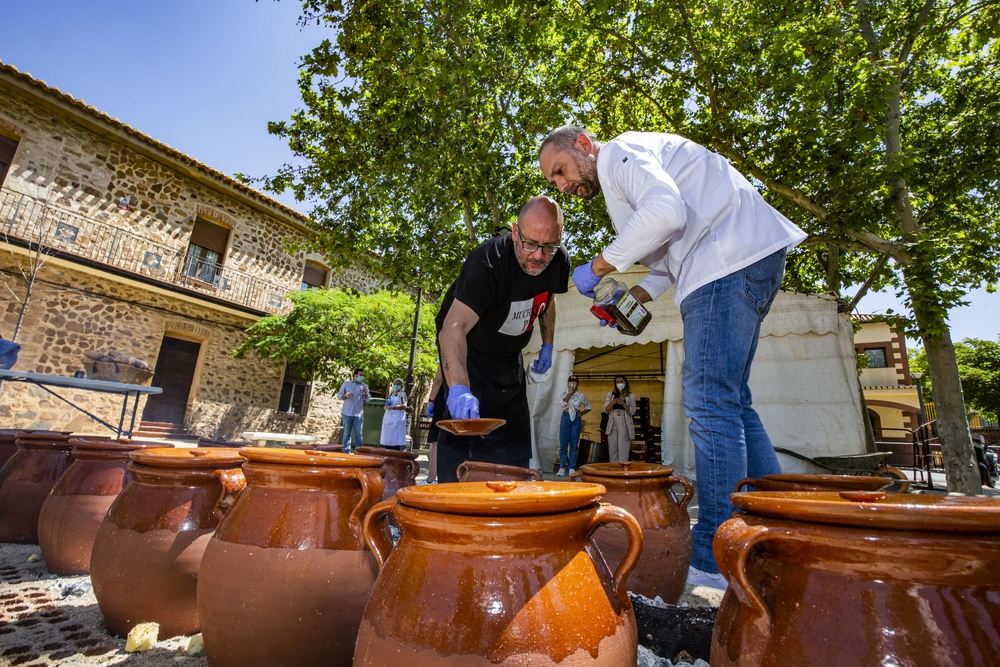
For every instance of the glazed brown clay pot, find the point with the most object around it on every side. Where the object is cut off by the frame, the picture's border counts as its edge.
(287, 574)
(797, 482)
(73, 511)
(401, 468)
(148, 550)
(26, 479)
(8, 444)
(316, 446)
(497, 573)
(644, 490)
(477, 471)
(859, 578)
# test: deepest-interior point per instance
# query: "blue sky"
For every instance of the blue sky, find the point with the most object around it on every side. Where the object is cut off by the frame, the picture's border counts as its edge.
(205, 76)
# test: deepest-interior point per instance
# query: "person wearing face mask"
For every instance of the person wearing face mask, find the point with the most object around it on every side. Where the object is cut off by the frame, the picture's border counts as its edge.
(620, 406)
(354, 393)
(575, 405)
(394, 419)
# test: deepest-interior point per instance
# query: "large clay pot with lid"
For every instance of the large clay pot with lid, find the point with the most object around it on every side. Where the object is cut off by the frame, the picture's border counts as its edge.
(859, 578)
(497, 573)
(287, 574)
(8, 444)
(645, 490)
(148, 550)
(401, 468)
(73, 511)
(480, 471)
(26, 479)
(804, 482)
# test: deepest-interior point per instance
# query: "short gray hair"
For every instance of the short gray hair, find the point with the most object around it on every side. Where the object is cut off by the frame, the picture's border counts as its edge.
(564, 138)
(540, 200)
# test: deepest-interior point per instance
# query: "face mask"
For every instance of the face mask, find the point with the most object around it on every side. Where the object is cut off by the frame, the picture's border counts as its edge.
(361, 378)
(397, 387)
(621, 386)
(572, 386)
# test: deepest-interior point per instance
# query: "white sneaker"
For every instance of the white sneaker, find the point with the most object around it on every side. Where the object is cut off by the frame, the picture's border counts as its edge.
(572, 470)
(561, 473)
(698, 577)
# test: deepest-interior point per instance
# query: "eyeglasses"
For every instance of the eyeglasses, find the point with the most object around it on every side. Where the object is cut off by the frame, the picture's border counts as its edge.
(531, 246)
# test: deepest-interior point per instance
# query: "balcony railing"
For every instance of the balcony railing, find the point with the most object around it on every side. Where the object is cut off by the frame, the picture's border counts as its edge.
(69, 234)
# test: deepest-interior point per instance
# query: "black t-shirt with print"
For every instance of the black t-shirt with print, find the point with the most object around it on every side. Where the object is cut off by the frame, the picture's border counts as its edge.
(508, 301)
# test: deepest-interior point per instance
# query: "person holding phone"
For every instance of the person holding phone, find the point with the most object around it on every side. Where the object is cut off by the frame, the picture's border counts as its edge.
(620, 406)
(354, 393)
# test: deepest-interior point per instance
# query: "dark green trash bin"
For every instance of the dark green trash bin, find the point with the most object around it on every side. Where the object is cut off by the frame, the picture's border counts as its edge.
(371, 431)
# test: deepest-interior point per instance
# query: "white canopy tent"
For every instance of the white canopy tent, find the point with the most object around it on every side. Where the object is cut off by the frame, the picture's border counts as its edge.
(804, 379)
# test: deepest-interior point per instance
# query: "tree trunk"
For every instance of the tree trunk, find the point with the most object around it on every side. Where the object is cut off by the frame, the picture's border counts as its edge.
(24, 307)
(960, 467)
(467, 218)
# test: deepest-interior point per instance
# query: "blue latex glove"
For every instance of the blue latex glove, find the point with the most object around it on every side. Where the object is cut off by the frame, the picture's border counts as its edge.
(429, 411)
(614, 325)
(544, 360)
(585, 280)
(461, 403)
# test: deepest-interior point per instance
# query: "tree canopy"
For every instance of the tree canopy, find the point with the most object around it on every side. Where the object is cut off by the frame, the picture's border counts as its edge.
(979, 366)
(330, 332)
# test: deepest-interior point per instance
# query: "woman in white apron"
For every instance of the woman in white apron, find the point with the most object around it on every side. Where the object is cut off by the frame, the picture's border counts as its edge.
(394, 419)
(620, 406)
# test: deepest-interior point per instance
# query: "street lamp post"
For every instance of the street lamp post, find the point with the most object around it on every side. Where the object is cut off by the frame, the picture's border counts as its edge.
(922, 432)
(920, 396)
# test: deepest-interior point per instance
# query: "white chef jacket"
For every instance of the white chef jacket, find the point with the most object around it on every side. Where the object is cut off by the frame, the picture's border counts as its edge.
(684, 212)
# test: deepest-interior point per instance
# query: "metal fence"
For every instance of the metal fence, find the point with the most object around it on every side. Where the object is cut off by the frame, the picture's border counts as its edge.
(65, 233)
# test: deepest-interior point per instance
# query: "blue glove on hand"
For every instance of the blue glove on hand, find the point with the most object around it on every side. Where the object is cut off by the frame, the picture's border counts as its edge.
(429, 411)
(614, 325)
(585, 280)
(544, 360)
(461, 403)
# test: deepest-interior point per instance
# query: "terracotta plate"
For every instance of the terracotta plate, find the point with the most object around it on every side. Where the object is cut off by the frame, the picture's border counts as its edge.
(799, 482)
(628, 469)
(471, 426)
(893, 511)
(501, 498)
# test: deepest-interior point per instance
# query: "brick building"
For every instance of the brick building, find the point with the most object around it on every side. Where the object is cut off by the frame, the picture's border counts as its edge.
(149, 252)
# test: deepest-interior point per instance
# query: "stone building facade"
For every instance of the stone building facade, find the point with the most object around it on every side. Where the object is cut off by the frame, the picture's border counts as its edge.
(148, 252)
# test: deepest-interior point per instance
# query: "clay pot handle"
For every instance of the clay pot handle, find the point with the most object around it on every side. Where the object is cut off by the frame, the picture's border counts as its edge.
(371, 483)
(375, 535)
(688, 488)
(575, 476)
(732, 545)
(612, 513)
(233, 482)
(746, 481)
(460, 471)
(414, 471)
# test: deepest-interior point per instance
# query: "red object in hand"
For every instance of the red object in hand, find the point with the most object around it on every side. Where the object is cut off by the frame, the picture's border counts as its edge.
(602, 314)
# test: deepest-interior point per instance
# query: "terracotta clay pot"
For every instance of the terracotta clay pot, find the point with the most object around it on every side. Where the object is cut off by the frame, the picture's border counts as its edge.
(8, 444)
(798, 482)
(644, 490)
(287, 574)
(26, 479)
(148, 550)
(401, 468)
(73, 511)
(497, 573)
(858, 578)
(316, 446)
(477, 471)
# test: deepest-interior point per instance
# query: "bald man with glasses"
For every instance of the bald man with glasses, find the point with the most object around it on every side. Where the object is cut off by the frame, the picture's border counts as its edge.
(504, 290)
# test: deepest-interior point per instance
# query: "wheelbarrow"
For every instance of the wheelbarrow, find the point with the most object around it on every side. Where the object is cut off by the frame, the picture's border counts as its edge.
(857, 464)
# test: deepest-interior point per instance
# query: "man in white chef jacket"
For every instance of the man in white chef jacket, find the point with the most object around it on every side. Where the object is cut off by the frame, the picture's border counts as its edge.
(682, 211)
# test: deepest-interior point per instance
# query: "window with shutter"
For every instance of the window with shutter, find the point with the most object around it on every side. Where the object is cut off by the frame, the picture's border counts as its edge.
(206, 251)
(7, 149)
(295, 391)
(313, 277)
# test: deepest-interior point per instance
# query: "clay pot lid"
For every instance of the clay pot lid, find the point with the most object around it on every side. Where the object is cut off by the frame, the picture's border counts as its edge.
(188, 457)
(394, 453)
(626, 469)
(832, 482)
(308, 457)
(501, 498)
(115, 445)
(470, 427)
(876, 509)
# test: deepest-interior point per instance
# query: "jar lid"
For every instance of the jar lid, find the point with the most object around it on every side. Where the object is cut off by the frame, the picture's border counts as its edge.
(188, 457)
(627, 469)
(113, 445)
(810, 482)
(394, 453)
(501, 498)
(876, 509)
(307, 457)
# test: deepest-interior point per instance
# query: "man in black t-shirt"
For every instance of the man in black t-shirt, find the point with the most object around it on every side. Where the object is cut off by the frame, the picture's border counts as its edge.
(486, 319)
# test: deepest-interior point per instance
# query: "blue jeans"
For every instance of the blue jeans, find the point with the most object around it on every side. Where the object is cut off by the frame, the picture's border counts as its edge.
(352, 426)
(569, 437)
(721, 325)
